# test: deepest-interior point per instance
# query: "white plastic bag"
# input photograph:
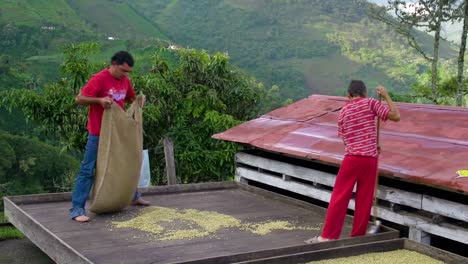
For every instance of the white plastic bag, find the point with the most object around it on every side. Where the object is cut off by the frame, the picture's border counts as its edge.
(145, 175)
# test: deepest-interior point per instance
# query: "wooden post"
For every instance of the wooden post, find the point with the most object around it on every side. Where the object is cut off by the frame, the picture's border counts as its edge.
(170, 164)
(419, 236)
(243, 180)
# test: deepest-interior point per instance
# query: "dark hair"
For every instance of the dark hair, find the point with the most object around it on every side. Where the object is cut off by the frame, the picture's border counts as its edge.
(357, 88)
(123, 57)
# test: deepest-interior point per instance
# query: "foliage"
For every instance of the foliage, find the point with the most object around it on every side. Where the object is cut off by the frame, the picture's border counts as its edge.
(116, 19)
(3, 219)
(446, 87)
(53, 109)
(77, 64)
(39, 13)
(22, 41)
(29, 166)
(384, 53)
(286, 42)
(191, 95)
(12, 73)
(282, 43)
(424, 14)
(189, 102)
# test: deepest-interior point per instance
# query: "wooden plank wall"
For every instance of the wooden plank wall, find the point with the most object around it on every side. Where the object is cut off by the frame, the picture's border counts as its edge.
(317, 184)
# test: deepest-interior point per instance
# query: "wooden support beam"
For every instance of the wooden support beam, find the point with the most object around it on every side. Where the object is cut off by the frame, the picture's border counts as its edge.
(243, 180)
(449, 231)
(446, 208)
(287, 185)
(419, 236)
(396, 196)
(324, 178)
(170, 163)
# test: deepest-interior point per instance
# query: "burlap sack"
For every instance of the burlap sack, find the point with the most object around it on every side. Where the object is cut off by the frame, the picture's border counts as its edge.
(119, 159)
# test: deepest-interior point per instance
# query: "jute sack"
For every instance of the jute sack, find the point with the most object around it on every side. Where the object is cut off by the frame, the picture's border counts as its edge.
(119, 159)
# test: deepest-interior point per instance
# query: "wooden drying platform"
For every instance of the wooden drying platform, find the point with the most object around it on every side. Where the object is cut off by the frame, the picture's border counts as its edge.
(44, 220)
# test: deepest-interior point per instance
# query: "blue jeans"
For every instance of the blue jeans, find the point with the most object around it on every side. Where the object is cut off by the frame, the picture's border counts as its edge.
(85, 178)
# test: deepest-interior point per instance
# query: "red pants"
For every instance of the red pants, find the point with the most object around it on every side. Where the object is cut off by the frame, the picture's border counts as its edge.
(354, 169)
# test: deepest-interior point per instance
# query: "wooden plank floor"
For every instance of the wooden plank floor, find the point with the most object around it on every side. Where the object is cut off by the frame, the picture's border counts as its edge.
(101, 243)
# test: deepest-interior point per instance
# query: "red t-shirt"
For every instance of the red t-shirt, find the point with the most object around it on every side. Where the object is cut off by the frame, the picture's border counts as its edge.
(103, 84)
(357, 126)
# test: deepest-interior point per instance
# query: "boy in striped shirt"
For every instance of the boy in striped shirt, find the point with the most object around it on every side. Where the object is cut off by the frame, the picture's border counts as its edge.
(357, 128)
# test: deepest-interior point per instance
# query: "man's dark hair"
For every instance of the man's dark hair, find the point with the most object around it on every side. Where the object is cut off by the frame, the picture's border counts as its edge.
(357, 88)
(123, 57)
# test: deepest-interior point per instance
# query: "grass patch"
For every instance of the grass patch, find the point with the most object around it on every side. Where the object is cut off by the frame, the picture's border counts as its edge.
(3, 218)
(10, 233)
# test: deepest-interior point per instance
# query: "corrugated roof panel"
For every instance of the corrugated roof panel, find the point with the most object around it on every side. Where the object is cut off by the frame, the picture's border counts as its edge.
(308, 108)
(427, 146)
(257, 129)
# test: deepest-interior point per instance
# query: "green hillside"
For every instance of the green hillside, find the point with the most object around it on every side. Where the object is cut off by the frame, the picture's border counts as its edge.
(33, 32)
(37, 13)
(109, 17)
(115, 19)
(313, 46)
(304, 46)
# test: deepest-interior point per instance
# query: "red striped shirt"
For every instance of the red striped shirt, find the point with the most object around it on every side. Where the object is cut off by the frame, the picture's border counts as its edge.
(357, 126)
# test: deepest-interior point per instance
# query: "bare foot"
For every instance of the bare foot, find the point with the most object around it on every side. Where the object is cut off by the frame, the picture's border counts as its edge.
(81, 218)
(140, 201)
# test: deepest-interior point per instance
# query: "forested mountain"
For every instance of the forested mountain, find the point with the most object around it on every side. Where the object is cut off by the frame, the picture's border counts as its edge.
(315, 44)
(312, 46)
(49, 48)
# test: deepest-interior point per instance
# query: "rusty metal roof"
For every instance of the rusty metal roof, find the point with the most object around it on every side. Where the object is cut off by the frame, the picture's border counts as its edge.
(427, 146)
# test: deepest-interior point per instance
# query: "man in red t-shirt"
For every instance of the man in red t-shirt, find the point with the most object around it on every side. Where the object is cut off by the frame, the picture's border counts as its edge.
(357, 128)
(108, 86)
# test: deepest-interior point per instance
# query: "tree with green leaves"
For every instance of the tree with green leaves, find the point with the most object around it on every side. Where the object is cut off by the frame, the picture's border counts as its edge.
(76, 64)
(29, 166)
(52, 108)
(461, 90)
(191, 95)
(201, 95)
(447, 84)
(423, 14)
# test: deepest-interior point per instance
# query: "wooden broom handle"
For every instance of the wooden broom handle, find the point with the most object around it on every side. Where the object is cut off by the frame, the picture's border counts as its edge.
(378, 125)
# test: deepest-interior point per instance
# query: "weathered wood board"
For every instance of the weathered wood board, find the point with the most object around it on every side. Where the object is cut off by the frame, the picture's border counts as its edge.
(44, 220)
(309, 182)
(354, 250)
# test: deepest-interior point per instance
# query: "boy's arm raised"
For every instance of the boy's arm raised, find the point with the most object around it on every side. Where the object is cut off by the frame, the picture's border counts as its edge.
(394, 114)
